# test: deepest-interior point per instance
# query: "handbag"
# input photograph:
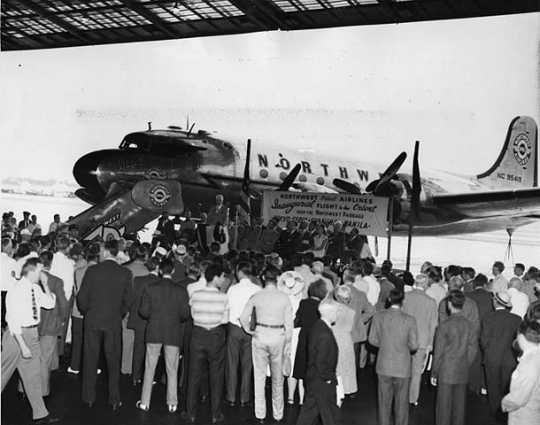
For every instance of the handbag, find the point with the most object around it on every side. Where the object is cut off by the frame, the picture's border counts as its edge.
(253, 320)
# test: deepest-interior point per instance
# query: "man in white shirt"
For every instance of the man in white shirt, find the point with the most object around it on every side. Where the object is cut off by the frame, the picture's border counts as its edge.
(64, 268)
(56, 224)
(304, 270)
(7, 273)
(519, 300)
(20, 344)
(238, 341)
(373, 285)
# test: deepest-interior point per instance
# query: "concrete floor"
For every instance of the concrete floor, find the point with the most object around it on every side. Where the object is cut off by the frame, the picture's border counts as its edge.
(65, 403)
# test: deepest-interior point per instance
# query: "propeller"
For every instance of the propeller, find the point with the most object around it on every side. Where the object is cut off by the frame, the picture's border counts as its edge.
(376, 186)
(347, 186)
(416, 181)
(290, 178)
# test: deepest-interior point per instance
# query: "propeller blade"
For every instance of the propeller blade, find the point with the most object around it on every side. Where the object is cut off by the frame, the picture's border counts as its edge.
(291, 177)
(416, 181)
(245, 181)
(389, 173)
(347, 186)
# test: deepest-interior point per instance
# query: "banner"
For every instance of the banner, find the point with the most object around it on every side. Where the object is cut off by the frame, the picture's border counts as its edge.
(368, 213)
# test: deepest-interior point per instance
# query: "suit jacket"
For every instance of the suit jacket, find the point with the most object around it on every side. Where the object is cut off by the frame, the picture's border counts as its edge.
(166, 306)
(137, 268)
(363, 310)
(322, 353)
(424, 309)
(455, 350)
(52, 321)
(136, 321)
(499, 329)
(483, 300)
(105, 295)
(396, 335)
(470, 312)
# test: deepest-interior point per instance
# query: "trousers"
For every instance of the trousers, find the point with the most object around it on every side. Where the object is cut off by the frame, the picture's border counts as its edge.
(267, 350)
(49, 356)
(450, 405)
(112, 341)
(319, 402)
(29, 369)
(418, 365)
(139, 349)
(128, 336)
(76, 342)
(393, 395)
(171, 366)
(238, 353)
(498, 378)
(206, 346)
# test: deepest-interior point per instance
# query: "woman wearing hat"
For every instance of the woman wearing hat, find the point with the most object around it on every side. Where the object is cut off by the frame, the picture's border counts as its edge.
(346, 367)
(291, 283)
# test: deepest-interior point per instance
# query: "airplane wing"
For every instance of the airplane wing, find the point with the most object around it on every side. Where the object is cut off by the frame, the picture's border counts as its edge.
(518, 202)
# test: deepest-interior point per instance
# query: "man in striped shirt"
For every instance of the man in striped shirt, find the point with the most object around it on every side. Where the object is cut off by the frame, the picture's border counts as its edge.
(210, 311)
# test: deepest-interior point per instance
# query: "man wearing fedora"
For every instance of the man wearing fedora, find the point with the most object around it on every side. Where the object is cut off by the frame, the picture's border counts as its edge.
(499, 329)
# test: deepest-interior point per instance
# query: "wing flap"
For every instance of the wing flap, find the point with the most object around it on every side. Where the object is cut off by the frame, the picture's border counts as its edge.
(517, 202)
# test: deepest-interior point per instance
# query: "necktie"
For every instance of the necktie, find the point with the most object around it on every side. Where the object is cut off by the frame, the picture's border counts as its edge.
(34, 306)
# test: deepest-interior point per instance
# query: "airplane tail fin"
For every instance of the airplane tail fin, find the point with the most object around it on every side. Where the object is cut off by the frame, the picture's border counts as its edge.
(517, 164)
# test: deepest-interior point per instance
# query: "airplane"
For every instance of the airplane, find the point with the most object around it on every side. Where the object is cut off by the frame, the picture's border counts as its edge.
(169, 171)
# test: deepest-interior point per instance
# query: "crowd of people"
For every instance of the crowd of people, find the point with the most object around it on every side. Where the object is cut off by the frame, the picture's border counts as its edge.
(213, 313)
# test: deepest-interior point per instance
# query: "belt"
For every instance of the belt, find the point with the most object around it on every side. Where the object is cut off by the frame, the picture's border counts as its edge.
(271, 326)
(29, 327)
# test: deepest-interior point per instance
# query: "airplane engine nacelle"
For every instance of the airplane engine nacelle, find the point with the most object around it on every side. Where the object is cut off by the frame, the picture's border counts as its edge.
(159, 196)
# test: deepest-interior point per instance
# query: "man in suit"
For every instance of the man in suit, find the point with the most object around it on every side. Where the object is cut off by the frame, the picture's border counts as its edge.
(137, 268)
(321, 399)
(455, 349)
(424, 309)
(395, 334)
(499, 329)
(166, 306)
(470, 309)
(136, 322)
(104, 298)
(483, 299)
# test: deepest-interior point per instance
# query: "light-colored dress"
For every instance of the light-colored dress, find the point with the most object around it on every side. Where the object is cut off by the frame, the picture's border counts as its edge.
(524, 396)
(346, 366)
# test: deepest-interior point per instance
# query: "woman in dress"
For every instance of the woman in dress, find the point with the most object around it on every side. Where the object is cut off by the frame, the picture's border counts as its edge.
(346, 366)
(291, 283)
(306, 316)
(523, 401)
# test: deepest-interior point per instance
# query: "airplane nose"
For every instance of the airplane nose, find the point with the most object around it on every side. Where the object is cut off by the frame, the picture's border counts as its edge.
(85, 170)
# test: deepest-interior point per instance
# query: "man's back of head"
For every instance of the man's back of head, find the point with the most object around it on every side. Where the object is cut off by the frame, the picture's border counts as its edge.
(455, 301)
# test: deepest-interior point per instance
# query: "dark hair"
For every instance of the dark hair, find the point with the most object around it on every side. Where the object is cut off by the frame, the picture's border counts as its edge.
(480, 280)
(45, 240)
(166, 266)
(396, 297)
(520, 265)
(270, 274)
(367, 267)
(434, 273)
(408, 278)
(92, 252)
(456, 299)
(46, 258)
(245, 267)
(151, 264)
(499, 265)
(213, 270)
(469, 271)
(111, 245)
(317, 289)
(23, 250)
(386, 266)
(30, 265)
(140, 253)
(533, 312)
(62, 242)
(531, 331)
(452, 270)
(5, 242)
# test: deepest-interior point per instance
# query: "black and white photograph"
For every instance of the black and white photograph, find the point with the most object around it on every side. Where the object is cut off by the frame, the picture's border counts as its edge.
(293, 212)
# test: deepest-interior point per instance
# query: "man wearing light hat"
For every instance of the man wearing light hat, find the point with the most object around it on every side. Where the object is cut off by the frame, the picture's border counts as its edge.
(499, 329)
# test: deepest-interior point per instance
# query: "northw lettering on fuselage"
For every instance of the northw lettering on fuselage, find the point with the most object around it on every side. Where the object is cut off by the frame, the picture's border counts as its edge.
(309, 168)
